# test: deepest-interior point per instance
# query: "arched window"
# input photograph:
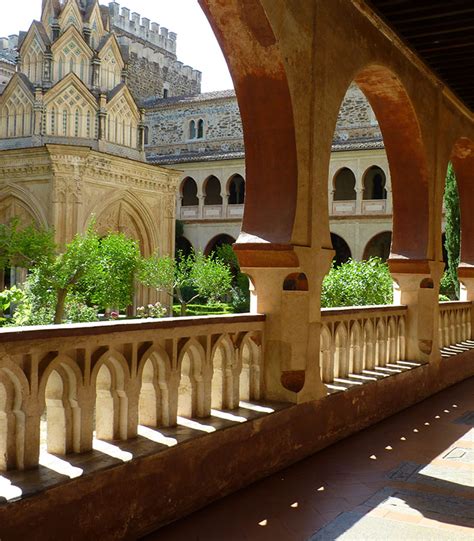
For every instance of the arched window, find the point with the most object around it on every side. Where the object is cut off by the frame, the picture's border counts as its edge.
(189, 192)
(212, 191)
(192, 129)
(237, 190)
(200, 131)
(344, 185)
(218, 241)
(343, 252)
(374, 184)
(379, 246)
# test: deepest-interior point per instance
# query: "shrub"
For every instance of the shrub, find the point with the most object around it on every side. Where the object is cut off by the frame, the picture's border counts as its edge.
(358, 283)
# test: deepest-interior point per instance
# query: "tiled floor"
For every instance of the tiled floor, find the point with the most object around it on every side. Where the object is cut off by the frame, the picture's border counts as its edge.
(408, 478)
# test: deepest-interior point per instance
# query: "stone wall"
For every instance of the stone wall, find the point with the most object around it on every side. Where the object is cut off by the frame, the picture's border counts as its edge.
(168, 122)
(153, 64)
(149, 78)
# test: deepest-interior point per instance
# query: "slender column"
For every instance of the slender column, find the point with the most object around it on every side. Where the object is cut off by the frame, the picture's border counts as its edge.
(466, 279)
(38, 112)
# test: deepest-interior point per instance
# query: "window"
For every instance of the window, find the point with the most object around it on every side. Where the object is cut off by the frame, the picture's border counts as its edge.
(165, 93)
(200, 133)
(196, 129)
(192, 129)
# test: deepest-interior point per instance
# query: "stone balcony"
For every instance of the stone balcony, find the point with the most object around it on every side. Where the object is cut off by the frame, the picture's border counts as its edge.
(211, 212)
(117, 409)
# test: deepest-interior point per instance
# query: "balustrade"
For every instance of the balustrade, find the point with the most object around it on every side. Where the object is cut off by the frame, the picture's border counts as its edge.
(454, 323)
(108, 378)
(358, 339)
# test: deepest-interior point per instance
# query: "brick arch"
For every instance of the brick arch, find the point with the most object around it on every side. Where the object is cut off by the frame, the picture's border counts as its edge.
(256, 65)
(407, 159)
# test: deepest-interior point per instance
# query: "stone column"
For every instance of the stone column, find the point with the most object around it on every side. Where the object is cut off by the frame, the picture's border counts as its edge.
(201, 198)
(38, 112)
(466, 279)
(359, 199)
(292, 329)
(95, 82)
(102, 117)
(48, 68)
(417, 287)
(225, 203)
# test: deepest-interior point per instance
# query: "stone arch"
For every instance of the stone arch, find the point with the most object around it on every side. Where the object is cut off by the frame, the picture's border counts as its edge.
(110, 376)
(343, 252)
(250, 372)
(224, 385)
(297, 281)
(392, 341)
(14, 390)
(257, 67)
(341, 350)
(59, 391)
(126, 214)
(212, 191)
(379, 246)
(326, 357)
(462, 159)
(407, 159)
(236, 190)
(356, 364)
(217, 241)
(375, 183)
(188, 191)
(17, 201)
(156, 406)
(183, 245)
(369, 345)
(380, 343)
(193, 392)
(344, 182)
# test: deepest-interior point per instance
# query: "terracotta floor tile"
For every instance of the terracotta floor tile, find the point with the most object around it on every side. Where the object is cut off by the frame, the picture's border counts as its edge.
(351, 479)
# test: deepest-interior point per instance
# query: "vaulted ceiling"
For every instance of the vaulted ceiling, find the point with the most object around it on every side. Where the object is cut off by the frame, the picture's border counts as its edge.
(441, 32)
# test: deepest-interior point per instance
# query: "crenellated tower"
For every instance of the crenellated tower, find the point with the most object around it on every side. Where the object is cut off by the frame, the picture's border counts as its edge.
(71, 83)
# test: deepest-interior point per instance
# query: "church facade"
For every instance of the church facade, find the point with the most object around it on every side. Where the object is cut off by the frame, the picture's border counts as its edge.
(72, 135)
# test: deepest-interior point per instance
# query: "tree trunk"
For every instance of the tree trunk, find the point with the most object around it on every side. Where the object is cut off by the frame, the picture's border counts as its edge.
(60, 305)
(184, 308)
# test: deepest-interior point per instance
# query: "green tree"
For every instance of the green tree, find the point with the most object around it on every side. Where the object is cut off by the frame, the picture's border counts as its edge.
(358, 283)
(24, 246)
(111, 284)
(450, 282)
(187, 277)
(90, 271)
(240, 282)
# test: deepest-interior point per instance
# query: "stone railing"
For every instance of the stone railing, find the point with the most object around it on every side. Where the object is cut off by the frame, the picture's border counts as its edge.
(211, 212)
(454, 323)
(374, 206)
(344, 207)
(356, 339)
(67, 384)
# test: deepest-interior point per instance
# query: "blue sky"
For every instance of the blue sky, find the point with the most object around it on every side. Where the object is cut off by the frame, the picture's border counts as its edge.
(197, 45)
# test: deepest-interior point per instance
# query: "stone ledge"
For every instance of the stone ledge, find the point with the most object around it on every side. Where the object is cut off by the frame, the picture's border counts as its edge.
(137, 497)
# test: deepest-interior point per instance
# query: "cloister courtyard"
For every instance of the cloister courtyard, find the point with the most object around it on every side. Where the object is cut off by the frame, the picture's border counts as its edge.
(291, 421)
